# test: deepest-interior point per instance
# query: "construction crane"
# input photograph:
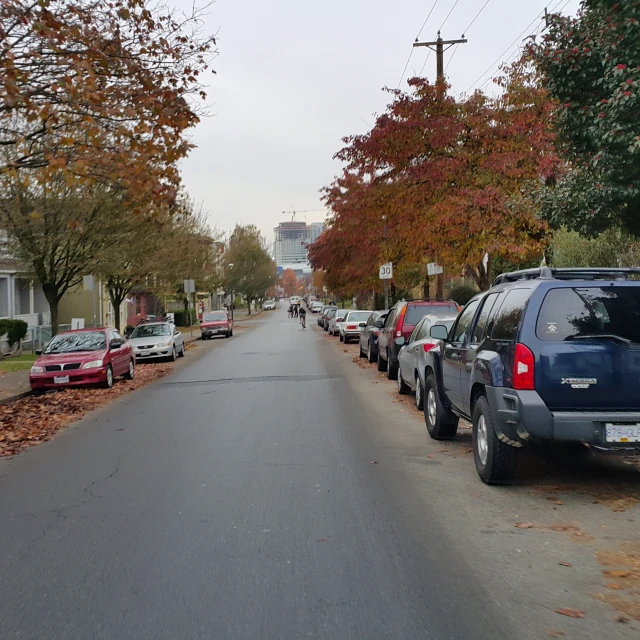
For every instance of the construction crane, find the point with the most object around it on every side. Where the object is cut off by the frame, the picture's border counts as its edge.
(293, 212)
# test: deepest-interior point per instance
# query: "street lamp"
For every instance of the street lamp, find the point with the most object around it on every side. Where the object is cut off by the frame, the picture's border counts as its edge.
(230, 265)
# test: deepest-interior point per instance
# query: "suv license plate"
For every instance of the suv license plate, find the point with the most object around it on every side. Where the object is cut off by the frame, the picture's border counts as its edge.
(61, 379)
(622, 432)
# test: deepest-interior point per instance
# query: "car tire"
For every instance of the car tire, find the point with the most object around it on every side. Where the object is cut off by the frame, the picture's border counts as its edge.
(419, 394)
(132, 371)
(392, 369)
(362, 353)
(181, 354)
(340, 336)
(495, 460)
(109, 380)
(382, 364)
(174, 355)
(370, 355)
(403, 387)
(441, 423)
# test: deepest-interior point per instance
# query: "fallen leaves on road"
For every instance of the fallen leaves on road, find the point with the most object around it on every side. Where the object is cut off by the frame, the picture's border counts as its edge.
(626, 573)
(570, 613)
(574, 532)
(553, 633)
(562, 563)
(35, 419)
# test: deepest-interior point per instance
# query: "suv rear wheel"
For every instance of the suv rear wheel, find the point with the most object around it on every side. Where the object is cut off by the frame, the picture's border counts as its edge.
(441, 423)
(495, 460)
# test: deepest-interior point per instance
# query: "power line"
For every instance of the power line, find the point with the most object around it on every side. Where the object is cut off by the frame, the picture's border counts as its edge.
(424, 24)
(467, 31)
(406, 66)
(499, 59)
(519, 50)
(449, 14)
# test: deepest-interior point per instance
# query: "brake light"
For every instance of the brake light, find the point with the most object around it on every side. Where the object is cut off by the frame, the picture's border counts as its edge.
(428, 347)
(403, 313)
(351, 326)
(523, 369)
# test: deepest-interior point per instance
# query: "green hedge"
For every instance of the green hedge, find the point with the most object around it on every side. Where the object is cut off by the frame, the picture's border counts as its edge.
(15, 330)
(462, 293)
(185, 319)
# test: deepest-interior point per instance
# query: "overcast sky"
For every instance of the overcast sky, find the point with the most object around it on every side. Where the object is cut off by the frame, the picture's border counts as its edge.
(295, 76)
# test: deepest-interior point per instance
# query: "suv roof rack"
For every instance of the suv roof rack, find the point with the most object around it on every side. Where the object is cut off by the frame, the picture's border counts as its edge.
(578, 273)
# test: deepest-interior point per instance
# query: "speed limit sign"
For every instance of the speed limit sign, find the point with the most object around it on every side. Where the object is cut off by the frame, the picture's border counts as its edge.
(386, 271)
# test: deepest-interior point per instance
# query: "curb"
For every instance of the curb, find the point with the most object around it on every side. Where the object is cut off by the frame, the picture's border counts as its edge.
(18, 396)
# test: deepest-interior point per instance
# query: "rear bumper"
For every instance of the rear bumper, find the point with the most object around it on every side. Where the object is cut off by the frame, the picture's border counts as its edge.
(210, 333)
(520, 415)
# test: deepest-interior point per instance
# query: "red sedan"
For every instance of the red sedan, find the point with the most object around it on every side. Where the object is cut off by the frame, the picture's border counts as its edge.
(216, 323)
(85, 357)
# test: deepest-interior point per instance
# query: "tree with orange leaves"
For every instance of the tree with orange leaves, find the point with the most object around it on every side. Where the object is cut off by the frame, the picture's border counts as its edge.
(440, 179)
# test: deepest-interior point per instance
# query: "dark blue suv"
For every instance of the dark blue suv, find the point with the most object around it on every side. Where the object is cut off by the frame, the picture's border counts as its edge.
(545, 354)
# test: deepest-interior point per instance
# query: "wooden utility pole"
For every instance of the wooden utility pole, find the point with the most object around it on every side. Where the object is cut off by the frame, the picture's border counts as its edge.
(439, 47)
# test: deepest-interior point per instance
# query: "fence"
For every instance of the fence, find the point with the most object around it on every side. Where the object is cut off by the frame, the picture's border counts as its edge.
(36, 338)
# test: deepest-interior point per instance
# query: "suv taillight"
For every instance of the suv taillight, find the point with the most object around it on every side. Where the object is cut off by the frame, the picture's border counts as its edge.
(403, 313)
(523, 369)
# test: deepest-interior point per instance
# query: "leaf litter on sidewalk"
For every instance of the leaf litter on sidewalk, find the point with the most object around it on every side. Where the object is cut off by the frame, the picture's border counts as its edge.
(35, 419)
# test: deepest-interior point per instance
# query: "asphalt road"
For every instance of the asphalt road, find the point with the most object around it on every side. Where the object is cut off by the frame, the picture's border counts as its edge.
(236, 499)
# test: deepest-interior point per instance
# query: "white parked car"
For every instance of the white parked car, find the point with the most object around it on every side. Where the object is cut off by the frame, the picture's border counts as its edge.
(157, 341)
(353, 324)
(316, 306)
(269, 305)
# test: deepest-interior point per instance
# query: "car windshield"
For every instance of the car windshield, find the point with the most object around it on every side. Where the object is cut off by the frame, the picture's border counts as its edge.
(218, 316)
(358, 316)
(71, 342)
(151, 330)
(415, 313)
(582, 313)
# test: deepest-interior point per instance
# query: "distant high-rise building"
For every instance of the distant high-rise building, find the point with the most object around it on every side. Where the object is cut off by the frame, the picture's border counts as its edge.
(290, 245)
(315, 230)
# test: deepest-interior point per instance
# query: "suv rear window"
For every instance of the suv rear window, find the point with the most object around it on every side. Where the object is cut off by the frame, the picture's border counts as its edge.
(508, 318)
(570, 313)
(415, 313)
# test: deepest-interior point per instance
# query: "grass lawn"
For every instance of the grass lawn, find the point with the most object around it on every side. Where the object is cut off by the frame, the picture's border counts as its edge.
(17, 363)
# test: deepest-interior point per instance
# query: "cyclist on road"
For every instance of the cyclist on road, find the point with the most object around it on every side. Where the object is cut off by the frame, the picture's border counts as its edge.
(303, 317)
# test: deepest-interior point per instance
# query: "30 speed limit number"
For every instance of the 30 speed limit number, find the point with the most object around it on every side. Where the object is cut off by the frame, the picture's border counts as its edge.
(386, 271)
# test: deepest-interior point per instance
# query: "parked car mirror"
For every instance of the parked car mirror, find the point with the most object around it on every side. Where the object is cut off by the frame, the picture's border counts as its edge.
(176, 332)
(39, 352)
(362, 325)
(378, 324)
(115, 344)
(439, 332)
(400, 342)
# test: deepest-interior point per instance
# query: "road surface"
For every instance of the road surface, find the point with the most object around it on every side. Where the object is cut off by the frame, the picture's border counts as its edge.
(237, 499)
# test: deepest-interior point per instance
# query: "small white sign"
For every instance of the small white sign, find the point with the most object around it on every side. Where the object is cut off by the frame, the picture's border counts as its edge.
(434, 269)
(89, 283)
(77, 323)
(189, 286)
(386, 271)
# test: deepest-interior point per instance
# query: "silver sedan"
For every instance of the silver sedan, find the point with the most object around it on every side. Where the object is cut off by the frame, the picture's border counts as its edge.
(157, 341)
(412, 359)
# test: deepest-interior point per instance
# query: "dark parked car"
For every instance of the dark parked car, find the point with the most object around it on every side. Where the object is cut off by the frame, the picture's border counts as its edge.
(400, 322)
(369, 335)
(84, 357)
(327, 317)
(323, 314)
(545, 354)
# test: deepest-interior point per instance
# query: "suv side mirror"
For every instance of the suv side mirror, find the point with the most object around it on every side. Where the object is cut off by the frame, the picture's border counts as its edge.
(400, 342)
(439, 332)
(378, 324)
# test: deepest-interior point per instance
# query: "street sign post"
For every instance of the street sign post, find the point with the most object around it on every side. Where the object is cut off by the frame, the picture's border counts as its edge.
(386, 274)
(434, 269)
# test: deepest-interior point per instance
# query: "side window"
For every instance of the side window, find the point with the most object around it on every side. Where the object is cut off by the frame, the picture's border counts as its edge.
(391, 319)
(415, 334)
(372, 318)
(480, 330)
(117, 336)
(508, 317)
(424, 329)
(464, 322)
